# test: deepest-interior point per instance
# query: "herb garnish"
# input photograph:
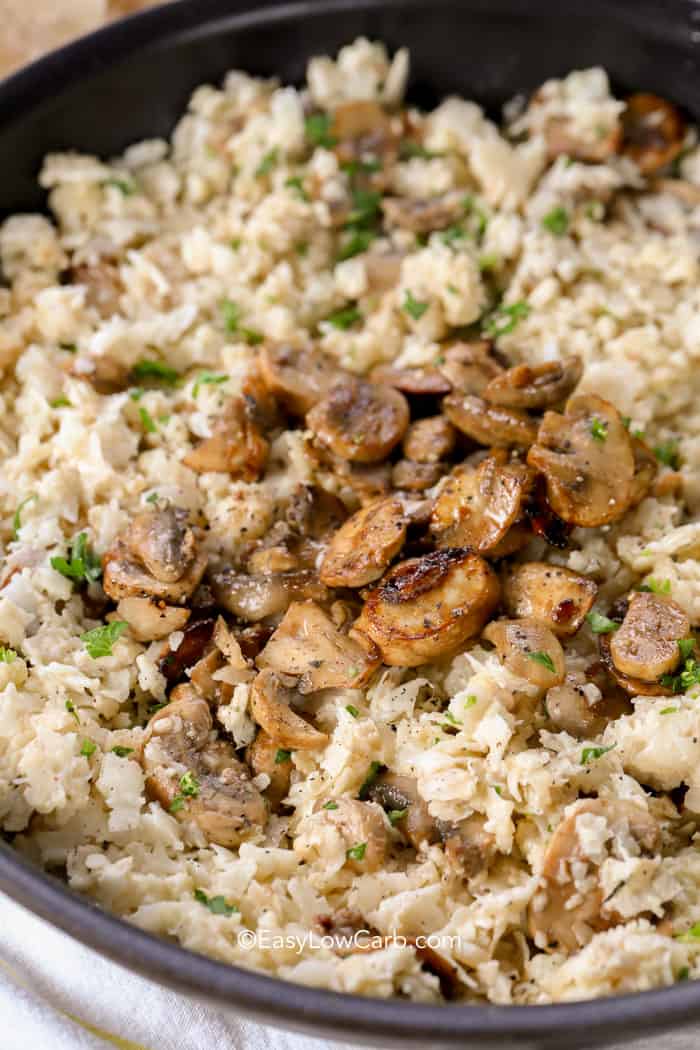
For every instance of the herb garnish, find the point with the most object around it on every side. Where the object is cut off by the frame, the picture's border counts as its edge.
(17, 518)
(413, 307)
(357, 852)
(121, 752)
(599, 429)
(318, 130)
(542, 658)
(504, 319)
(216, 905)
(87, 748)
(83, 565)
(99, 640)
(556, 221)
(282, 756)
(589, 754)
(267, 163)
(344, 319)
(667, 453)
(600, 624)
(7, 656)
(373, 772)
(148, 368)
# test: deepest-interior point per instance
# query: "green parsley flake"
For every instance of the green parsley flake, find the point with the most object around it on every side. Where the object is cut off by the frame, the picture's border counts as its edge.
(373, 772)
(7, 656)
(83, 565)
(504, 319)
(361, 167)
(366, 206)
(409, 148)
(125, 186)
(653, 586)
(600, 624)
(330, 805)
(100, 640)
(452, 234)
(357, 243)
(668, 454)
(60, 402)
(449, 717)
(318, 130)
(177, 804)
(267, 163)
(556, 221)
(357, 852)
(72, 711)
(122, 752)
(683, 973)
(282, 756)
(690, 936)
(599, 429)
(589, 754)
(147, 421)
(231, 315)
(295, 182)
(17, 518)
(542, 658)
(413, 307)
(216, 905)
(395, 815)
(344, 319)
(152, 498)
(686, 646)
(669, 710)
(147, 368)
(189, 785)
(208, 379)
(686, 679)
(471, 700)
(88, 748)
(352, 710)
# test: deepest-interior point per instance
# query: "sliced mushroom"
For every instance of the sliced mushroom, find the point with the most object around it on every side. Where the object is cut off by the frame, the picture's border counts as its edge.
(489, 424)
(419, 381)
(535, 386)
(530, 650)
(103, 286)
(687, 193)
(236, 446)
(426, 607)
(202, 677)
(416, 477)
(423, 215)
(360, 421)
(263, 757)
(308, 645)
(542, 519)
(255, 598)
(646, 645)
(470, 367)
(653, 132)
(563, 140)
(196, 636)
(178, 740)
(645, 470)
(270, 707)
(363, 130)
(429, 440)
(104, 374)
(298, 376)
(399, 795)
(163, 541)
(632, 686)
(150, 620)
(587, 459)
(363, 547)
(364, 830)
(551, 594)
(468, 846)
(561, 916)
(476, 508)
(568, 710)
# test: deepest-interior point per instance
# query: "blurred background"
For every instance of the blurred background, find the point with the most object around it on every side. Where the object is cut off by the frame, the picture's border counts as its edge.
(31, 27)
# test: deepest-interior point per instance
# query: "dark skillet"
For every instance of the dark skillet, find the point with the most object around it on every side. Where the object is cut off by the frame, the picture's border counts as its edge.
(132, 80)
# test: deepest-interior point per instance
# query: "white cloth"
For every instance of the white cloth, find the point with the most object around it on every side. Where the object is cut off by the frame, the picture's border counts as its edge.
(57, 995)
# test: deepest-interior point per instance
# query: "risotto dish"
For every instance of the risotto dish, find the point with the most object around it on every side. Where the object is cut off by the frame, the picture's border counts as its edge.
(349, 535)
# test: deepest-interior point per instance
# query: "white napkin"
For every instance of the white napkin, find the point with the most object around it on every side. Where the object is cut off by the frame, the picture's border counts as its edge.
(57, 995)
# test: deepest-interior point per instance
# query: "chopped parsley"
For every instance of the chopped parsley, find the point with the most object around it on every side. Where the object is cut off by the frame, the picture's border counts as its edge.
(17, 517)
(125, 186)
(352, 710)
(357, 852)
(216, 905)
(147, 421)
(99, 640)
(357, 243)
(208, 379)
(504, 319)
(330, 805)
(453, 233)
(589, 754)
(600, 624)
(471, 700)
(409, 148)
(667, 453)
(472, 209)
(60, 402)
(669, 710)
(82, 565)
(344, 319)
(267, 163)
(7, 656)
(556, 221)
(653, 586)
(122, 752)
(395, 815)
(366, 206)
(373, 772)
(189, 785)
(413, 307)
(449, 717)
(318, 130)
(147, 368)
(295, 183)
(542, 658)
(686, 646)
(231, 314)
(693, 934)
(599, 429)
(683, 973)
(72, 711)
(361, 167)
(152, 497)
(87, 748)
(688, 677)
(282, 756)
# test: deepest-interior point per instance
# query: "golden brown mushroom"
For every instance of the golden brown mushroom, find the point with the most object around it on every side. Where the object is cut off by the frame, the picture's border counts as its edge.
(653, 132)
(360, 421)
(236, 446)
(398, 794)
(568, 710)
(263, 756)
(426, 607)
(416, 477)
(587, 459)
(632, 686)
(560, 916)
(150, 619)
(470, 367)
(270, 707)
(429, 440)
(468, 846)
(254, 598)
(424, 215)
(197, 778)
(557, 597)
(646, 645)
(363, 129)
(645, 470)
(419, 381)
(489, 424)
(363, 547)
(298, 376)
(308, 645)
(477, 507)
(535, 386)
(364, 831)
(530, 650)
(563, 140)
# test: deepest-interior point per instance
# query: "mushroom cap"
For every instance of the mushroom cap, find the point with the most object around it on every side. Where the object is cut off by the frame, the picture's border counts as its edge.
(151, 619)
(360, 421)
(489, 424)
(646, 645)
(470, 366)
(535, 386)
(429, 440)
(298, 376)
(361, 823)
(422, 215)
(162, 540)
(365, 544)
(587, 459)
(530, 650)
(477, 507)
(255, 597)
(270, 702)
(236, 446)
(425, 608)
(262, 755)
(418, 381)
(653, 131)
(568, 709)
(631, 685)
(124, 577)
(394, 791)
(552, 594)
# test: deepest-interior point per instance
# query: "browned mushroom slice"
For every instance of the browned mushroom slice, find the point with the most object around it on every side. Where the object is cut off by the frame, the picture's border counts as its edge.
(103, 286)
(256, 597)
(416, 477)
(270, 707)
(360, 421)
(363, 130)
(529, 650)
(428, 381)
(653, 132)
(426, 607)
(429, 440)
(489, 424)
(383, 270)
(632, 686)
(645, 469)
(124, 577)
(308, 645)
(562, 140)
(423, 215)
(646, 645)
(568, 709)
(236, 446)
(196, 636)
(560, 916)
(587, 459)
(150, 620)
(263, 757)
(470, 367)
(163, 541)
(298, 376)
(535, 386)
(202, 677)
(361, 549)
(399, 796)
(476, 508)
(364, 831)
(557, 597)
(218, 794)
(686, 192)
(468, 846)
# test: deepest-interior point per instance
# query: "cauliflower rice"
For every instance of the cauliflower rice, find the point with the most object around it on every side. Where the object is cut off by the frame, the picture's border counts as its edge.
(253, 229)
